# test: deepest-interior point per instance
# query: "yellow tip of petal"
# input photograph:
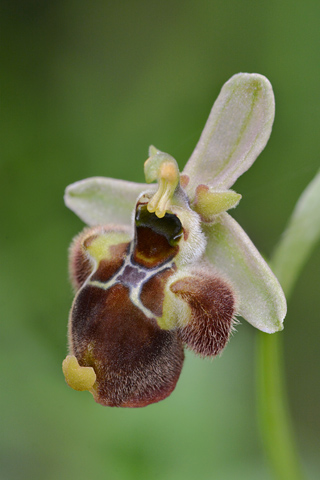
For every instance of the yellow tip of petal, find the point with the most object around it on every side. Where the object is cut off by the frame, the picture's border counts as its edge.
(77, 377)
(209, 203)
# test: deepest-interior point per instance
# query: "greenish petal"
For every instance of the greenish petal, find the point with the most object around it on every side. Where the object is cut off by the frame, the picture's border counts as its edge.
(236, 131)
(261, 299)
(99, 200)
(300, 237)
(209, 202)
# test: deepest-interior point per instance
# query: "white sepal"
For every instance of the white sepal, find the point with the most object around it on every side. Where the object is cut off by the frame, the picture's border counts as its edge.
(261, 299)
(236, 131)
(99, 200)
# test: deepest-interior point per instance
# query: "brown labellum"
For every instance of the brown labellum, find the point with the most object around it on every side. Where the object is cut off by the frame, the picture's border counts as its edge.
(80, 266)
(118, 350)
(136, 363)
(212, 305)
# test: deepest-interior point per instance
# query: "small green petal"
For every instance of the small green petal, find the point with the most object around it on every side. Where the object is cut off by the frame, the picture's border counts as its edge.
(209, 202)
(236, 131)
(261, 299)
(300, 237)
(99, 200)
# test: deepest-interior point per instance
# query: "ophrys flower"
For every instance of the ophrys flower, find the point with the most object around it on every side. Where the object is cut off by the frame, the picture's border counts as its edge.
(179, 270)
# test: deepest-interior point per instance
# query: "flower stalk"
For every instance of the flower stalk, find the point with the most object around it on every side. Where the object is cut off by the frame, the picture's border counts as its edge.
(273, 409)
(292, 252)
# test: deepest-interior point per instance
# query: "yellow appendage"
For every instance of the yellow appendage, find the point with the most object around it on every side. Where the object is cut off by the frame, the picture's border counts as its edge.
(77, 377)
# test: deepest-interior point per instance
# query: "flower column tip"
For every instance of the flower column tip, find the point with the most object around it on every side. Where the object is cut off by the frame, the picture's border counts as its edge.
(163, 168)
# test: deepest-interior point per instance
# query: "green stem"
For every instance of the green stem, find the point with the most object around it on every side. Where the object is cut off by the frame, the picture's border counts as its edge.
(275, 421)
(291, 254)
(273, 406)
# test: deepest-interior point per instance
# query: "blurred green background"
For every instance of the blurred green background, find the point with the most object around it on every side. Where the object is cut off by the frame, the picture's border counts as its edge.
(86, 87)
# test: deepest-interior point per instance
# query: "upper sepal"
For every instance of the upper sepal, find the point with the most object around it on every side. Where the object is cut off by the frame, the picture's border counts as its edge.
(229, 249)
(99, 200)
(236, 131)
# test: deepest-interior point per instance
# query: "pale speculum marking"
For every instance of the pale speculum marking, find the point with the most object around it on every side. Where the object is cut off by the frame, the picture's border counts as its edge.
(134, 277)
(131, 276)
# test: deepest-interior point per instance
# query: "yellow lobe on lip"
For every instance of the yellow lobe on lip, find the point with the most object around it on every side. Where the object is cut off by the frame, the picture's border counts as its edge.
(98, 246)
(163, 168)
(77, 377)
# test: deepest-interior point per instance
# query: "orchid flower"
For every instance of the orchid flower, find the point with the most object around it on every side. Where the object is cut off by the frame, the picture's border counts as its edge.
(165, 266)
